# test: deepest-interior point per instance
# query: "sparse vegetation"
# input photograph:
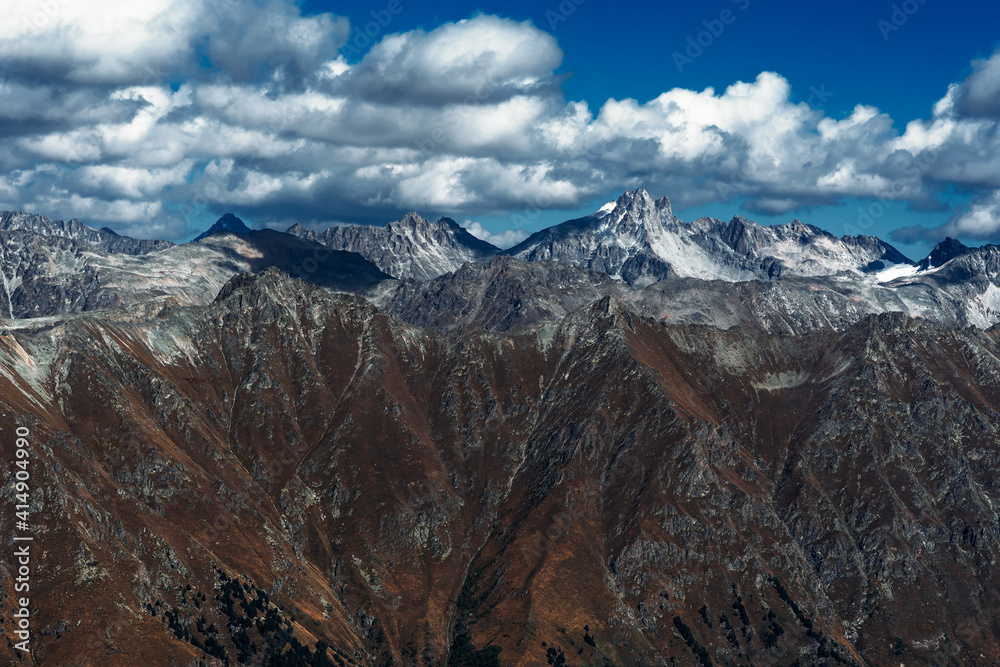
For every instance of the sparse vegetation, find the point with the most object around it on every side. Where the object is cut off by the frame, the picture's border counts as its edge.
(257, 632)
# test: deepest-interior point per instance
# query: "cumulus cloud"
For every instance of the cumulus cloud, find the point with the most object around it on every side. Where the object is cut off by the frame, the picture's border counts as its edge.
(143, 115)
(473, 61)
(980, 221)
(505, 239)
(979, 95)
(128, 43)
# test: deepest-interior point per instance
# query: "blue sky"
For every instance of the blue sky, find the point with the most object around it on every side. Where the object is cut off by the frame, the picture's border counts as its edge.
(623, 48)
(156, 118)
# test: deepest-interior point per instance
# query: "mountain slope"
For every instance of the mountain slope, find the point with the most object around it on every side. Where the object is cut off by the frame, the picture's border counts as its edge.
(286, 463)
(412, 248)
(50, 275)
(502, 295)
(508, 293)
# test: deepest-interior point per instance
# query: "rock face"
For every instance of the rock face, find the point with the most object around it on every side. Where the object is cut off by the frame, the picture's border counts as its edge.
(104, 239)
(508, 293)
(412, 248)
(288, 470)
(640, 241)
(51, 275)
(502, 295)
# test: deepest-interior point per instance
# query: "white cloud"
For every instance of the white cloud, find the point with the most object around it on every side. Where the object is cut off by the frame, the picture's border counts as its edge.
(476, 60)
(981, 221)
(132, 182)
(127, 42)
(106, 40)
(140, 113)
(505, 239)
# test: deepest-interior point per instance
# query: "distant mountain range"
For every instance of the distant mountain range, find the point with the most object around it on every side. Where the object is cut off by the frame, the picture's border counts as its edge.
(640, 241)
(787, 278)
(105, 238)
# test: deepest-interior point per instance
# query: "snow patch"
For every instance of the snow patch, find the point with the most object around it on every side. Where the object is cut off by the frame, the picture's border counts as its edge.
(983, 310)
(894, 271)
(784, 380)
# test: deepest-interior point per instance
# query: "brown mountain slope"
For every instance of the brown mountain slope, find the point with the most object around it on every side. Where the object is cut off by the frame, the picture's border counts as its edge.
(598, 490)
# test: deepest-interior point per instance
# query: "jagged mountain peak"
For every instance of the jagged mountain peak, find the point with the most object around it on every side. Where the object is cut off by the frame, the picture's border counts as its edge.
(639, 240)
(411, 220)
(228, 223)
(636, 211)
(410, 248)
(944, 252)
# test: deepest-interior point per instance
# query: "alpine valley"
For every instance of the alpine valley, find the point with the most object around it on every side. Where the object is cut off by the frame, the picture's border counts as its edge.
(627, 440)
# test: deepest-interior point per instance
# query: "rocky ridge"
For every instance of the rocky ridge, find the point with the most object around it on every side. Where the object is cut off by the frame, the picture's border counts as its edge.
(51, 275)
(640, 241)
(105, 239)
(412, 248)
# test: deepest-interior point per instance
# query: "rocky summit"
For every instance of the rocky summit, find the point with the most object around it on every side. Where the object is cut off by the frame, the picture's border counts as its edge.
(640, 241)
(262, 450)
(412, 248)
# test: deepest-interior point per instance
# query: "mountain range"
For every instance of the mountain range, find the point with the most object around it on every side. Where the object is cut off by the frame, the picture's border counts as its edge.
(628, 440)
(788, 278)
(640, 241)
